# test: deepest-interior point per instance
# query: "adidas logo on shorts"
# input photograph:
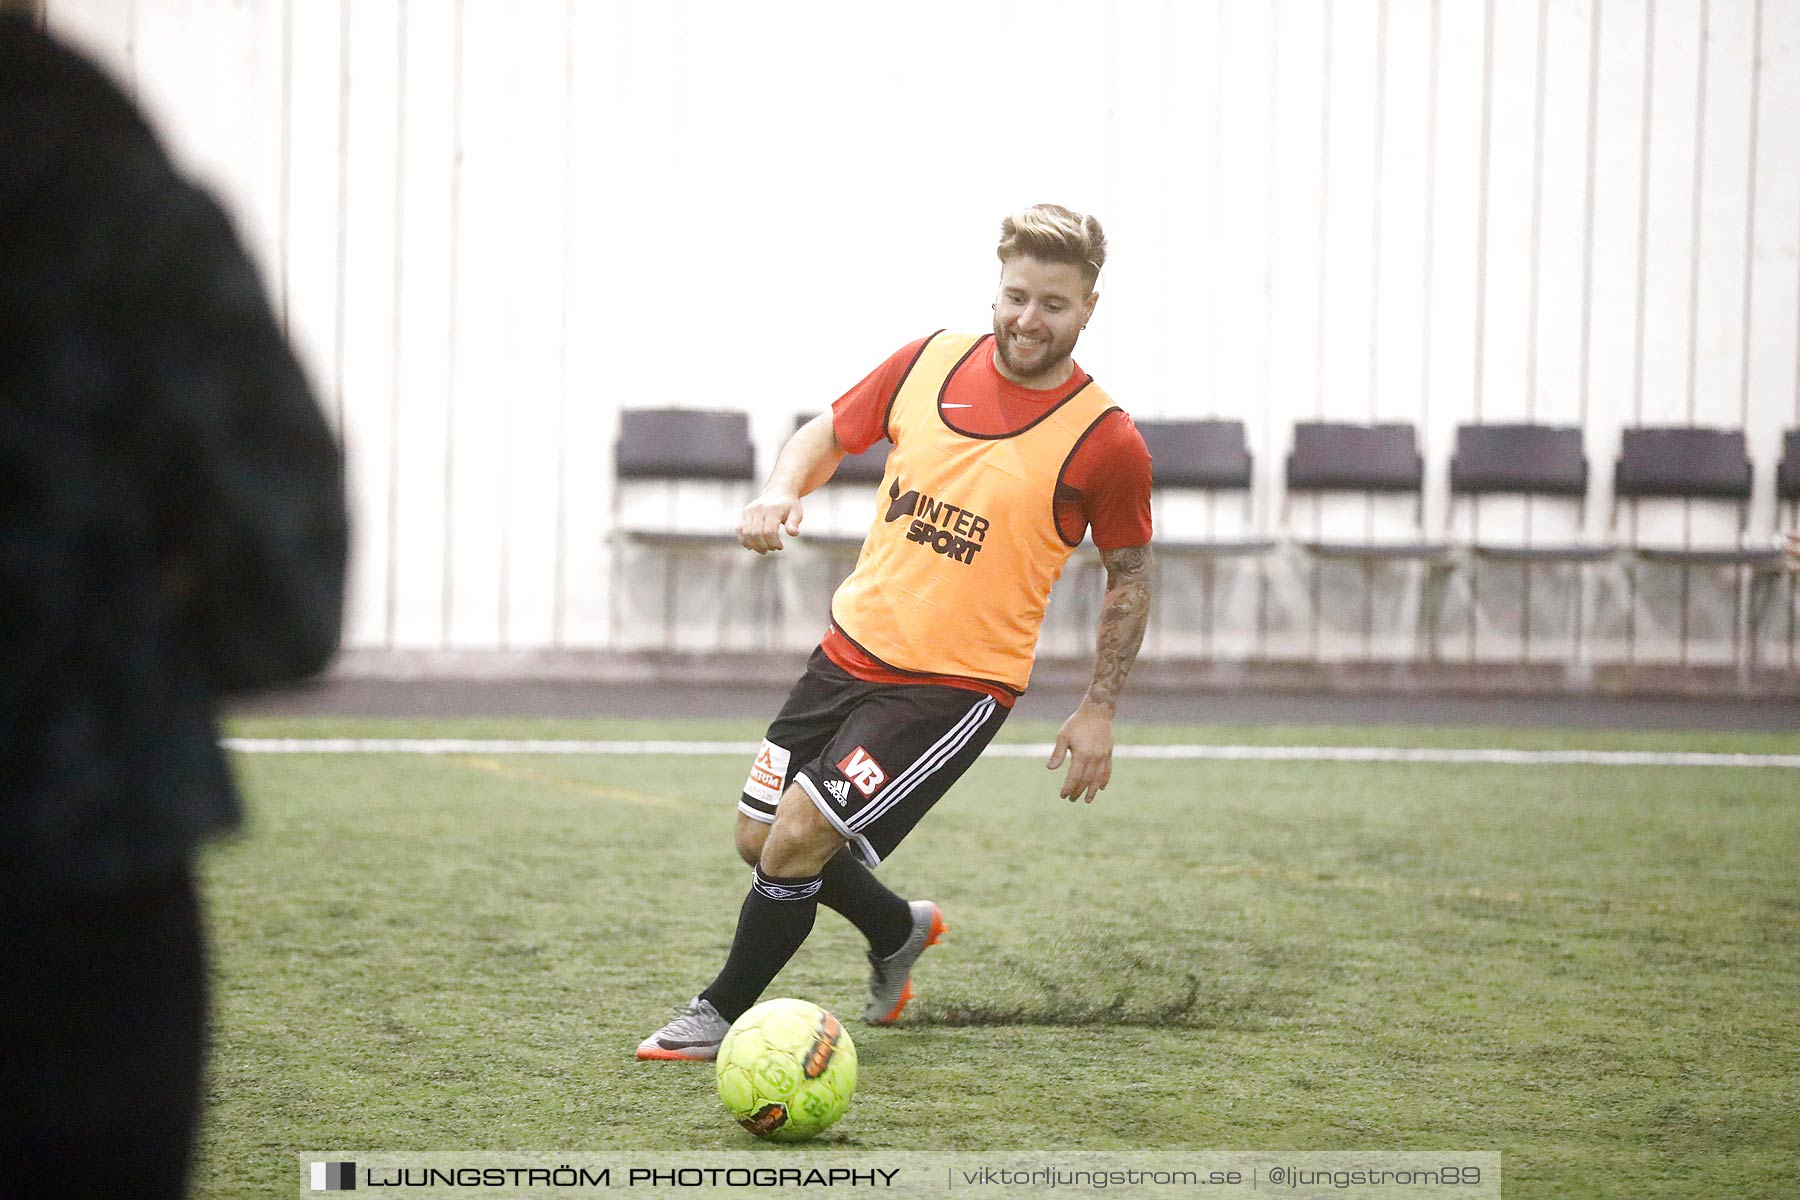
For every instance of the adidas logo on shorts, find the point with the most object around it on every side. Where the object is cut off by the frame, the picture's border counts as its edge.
(839, 789)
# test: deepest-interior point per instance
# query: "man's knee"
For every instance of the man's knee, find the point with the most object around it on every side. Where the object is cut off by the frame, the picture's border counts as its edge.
(801, 841)
(751, 835)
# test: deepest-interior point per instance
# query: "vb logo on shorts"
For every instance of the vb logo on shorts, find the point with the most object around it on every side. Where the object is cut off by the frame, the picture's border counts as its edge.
(956, 533)
(863, 771)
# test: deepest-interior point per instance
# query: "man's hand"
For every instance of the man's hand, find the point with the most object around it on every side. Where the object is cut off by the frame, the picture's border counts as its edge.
(803, 465)
(763, 519)
(1087, 736)
(1087, 739)
(1793, 551)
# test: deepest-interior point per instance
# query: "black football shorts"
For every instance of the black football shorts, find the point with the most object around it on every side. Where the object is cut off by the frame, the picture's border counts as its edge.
(874, 757)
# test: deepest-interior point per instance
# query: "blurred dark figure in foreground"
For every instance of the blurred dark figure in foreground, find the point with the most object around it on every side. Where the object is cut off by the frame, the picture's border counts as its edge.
(171, 529)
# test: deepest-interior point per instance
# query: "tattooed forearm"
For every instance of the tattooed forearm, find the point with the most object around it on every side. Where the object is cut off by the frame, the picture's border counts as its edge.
(1123, 615)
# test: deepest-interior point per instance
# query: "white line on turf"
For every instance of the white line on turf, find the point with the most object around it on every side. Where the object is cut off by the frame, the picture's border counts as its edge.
(1367, 754)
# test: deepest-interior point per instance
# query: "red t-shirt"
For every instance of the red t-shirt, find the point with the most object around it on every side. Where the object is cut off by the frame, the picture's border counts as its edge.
(1104, 488)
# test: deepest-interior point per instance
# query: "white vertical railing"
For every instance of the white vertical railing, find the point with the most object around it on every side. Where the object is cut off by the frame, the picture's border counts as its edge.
(490, 225)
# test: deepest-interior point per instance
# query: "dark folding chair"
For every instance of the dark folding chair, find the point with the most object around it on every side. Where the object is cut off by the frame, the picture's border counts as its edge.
(1787, 481)
(1376, 461)
(1695, 466)
(683, 443)
(1787, 509)
(1196, 465)
(1525, 460)
(1690, 464)
(1371, 459)
(663, 458)
(1542, 463)
(1204, 457)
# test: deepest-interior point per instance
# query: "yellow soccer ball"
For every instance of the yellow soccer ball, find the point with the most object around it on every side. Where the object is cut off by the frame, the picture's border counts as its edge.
(787, 1070)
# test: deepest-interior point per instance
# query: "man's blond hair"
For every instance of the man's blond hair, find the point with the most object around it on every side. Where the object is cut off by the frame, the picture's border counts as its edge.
(1052, 233)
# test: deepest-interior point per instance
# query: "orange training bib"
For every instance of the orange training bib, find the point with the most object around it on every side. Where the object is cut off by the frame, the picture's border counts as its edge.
(956, 570)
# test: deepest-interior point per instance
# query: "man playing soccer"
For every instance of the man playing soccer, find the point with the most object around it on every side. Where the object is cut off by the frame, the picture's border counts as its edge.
(1004, 454)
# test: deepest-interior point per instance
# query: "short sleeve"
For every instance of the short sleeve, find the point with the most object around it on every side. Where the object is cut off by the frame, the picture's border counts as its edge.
(1107, 485)
(860, 414)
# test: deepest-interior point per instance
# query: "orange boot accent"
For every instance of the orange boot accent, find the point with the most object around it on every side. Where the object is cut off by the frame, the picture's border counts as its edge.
(894, 1014)
(938, 930)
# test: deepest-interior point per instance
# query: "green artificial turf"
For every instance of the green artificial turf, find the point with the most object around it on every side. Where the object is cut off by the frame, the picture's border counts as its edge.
(1592, 969)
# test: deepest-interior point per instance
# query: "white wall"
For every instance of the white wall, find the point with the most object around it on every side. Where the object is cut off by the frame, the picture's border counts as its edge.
(490, 224)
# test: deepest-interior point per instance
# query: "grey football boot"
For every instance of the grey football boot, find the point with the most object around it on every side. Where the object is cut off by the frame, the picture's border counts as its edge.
(694, 1034)
(890, 978)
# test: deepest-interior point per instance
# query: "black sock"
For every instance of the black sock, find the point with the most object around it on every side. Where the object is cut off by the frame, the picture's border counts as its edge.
(852, 889)
(776, 917)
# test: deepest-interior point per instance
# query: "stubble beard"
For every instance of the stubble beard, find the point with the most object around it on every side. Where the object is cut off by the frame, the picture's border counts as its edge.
(1053, 356)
